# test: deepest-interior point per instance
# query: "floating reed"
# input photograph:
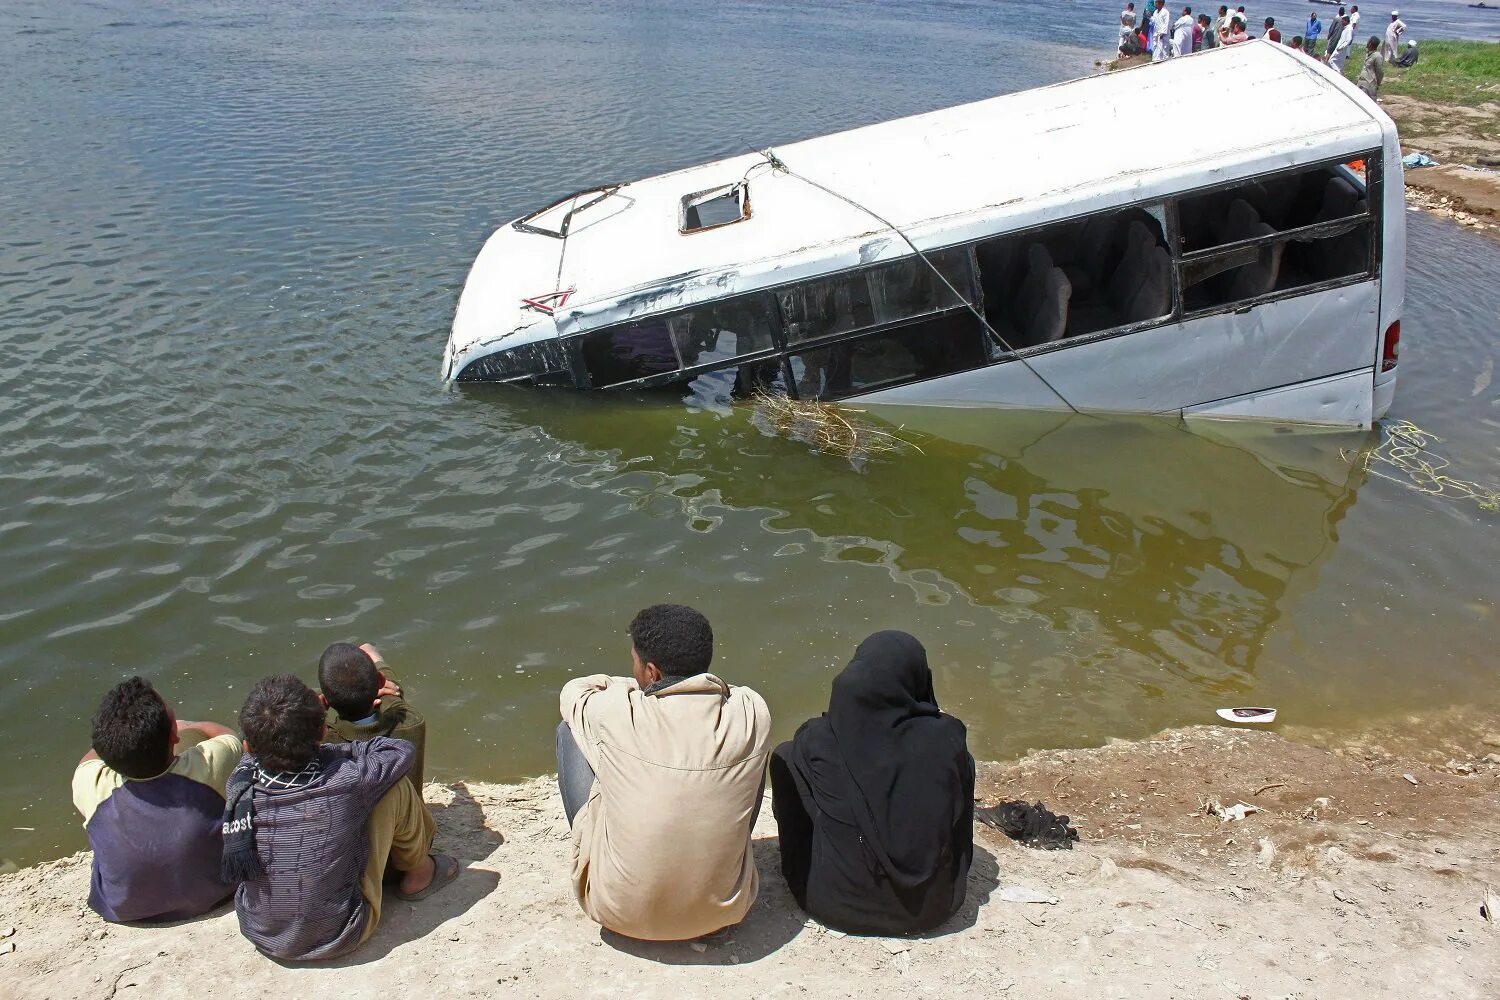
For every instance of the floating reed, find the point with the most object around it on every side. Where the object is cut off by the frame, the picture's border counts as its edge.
(827, 427)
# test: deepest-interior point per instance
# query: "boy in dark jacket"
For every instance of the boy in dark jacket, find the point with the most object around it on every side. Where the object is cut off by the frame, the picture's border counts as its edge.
(364, 701)
(310, 827)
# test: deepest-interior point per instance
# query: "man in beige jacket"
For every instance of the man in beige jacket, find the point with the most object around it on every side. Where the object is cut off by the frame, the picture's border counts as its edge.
(661, 776)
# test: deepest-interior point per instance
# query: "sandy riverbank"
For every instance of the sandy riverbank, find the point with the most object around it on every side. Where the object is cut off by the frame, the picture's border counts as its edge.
(1351, 881)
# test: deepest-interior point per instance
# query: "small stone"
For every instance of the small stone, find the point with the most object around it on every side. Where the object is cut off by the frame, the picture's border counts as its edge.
(7, 947)
(1491, 740)
(698, 946)
(1492, 758)
(894, 947)
(8, 932)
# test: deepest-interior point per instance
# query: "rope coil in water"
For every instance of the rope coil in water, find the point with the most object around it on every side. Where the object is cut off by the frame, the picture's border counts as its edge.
(1405, 448)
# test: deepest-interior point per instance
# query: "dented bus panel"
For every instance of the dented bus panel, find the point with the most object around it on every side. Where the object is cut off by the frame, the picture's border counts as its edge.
(1024, 251)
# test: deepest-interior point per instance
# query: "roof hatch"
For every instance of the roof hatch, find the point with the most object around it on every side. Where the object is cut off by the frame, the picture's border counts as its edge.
(716, 207)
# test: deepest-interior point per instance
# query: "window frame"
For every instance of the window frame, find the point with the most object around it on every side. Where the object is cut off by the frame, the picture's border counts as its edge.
(741, 187)
(575, 345)
(1374, 187)
(1168, 221)
(824, 343)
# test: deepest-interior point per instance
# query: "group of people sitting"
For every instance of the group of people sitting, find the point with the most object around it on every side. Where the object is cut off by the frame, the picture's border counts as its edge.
(1165, 37)
(313, 811)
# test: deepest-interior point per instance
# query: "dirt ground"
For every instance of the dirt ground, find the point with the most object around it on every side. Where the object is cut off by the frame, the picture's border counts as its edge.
(1352, 880)
(1465, 187)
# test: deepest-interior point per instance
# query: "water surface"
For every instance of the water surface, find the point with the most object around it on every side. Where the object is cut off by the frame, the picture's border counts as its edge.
(233, 238)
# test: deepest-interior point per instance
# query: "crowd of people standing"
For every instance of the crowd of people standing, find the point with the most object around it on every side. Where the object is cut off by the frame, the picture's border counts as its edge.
(1161, 35)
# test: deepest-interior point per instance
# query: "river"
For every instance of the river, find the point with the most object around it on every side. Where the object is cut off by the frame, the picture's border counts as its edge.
(233, 237)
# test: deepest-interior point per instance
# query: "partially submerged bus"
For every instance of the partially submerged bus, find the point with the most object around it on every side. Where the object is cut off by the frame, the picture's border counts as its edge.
(1237, 252)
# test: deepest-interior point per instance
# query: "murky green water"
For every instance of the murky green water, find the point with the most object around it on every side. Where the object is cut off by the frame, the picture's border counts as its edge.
(232, 240)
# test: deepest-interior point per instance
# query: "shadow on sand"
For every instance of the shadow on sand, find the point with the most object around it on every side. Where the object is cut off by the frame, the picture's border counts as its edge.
(775, 919)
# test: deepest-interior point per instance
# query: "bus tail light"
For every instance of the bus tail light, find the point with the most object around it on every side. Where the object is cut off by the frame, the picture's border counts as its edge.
(1391, 347)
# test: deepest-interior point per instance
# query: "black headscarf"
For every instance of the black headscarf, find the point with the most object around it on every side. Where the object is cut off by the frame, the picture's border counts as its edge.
(885, 758)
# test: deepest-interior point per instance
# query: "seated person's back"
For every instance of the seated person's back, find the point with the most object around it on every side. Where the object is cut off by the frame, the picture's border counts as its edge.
(874, 799)
(661, 846)
(364, 701)
(310, 827)
(152, 815)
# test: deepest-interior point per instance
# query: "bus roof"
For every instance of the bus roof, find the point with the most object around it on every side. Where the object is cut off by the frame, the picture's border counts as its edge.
(950, 176)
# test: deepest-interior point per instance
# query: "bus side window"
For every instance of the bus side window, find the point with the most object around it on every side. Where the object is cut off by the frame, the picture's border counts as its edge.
(926, 349)
(1274, 234)
(886, 293)
(692, 340)
(1076, 278)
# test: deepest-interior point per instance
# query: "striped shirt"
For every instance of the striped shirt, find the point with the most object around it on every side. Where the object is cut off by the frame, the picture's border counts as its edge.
(310, 834)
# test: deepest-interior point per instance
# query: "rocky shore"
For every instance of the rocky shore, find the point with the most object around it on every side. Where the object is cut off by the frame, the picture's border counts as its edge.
(1354, 872)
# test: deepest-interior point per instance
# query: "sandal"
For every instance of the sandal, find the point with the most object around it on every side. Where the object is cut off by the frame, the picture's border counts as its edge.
(444, 870)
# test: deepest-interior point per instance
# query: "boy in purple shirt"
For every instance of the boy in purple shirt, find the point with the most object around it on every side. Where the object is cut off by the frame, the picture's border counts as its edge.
(151, 810)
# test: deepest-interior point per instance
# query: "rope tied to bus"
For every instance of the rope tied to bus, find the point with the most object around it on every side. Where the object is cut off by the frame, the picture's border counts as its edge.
(779, 165)
(1405, 447)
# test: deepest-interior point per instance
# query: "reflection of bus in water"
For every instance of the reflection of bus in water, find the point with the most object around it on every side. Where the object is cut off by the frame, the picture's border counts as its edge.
(1127, 542)
(1037, 250)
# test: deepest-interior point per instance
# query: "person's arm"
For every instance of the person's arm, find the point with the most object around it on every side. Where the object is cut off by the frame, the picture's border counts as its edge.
(383, 761)
(390, 696)
(572, 703)
(208, 729)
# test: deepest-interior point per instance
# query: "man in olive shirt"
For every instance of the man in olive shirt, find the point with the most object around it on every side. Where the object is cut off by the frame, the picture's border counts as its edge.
(364, 701)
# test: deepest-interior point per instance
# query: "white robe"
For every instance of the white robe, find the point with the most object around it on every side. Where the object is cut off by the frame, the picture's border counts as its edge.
(1393, 32)
(1182, 36)
(1161, 39)
(1341, 50)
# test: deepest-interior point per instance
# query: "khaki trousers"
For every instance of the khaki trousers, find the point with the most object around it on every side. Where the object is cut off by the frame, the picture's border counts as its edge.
(401, 831)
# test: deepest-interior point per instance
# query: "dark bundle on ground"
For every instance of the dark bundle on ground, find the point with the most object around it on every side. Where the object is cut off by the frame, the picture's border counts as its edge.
(1033, 825)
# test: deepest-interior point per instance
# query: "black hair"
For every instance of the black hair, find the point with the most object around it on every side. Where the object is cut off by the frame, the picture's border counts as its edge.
(1270, 22)
(132, 730)
(676, 638)
(283, 723)
(349, 679)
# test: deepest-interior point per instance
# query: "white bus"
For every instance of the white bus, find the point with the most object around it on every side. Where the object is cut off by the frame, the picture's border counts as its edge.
(1218, 235)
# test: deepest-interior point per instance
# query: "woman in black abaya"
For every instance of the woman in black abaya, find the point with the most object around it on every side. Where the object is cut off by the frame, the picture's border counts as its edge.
(875, 798)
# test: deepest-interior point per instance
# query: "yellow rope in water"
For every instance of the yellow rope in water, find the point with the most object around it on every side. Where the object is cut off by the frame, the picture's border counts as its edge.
(1405, 447)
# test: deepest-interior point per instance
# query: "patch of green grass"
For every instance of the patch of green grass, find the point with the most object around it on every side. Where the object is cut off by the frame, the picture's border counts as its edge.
(1466, 73)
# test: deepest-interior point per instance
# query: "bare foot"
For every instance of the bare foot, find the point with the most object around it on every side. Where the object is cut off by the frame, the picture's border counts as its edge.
(419, 877)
